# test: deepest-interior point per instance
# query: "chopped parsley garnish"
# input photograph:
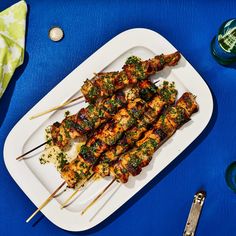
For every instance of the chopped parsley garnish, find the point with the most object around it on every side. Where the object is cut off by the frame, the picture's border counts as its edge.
(133, 60)
(135, 161)
(62, 160)
(78, 176)
(100, 113)
(42, 161)
(93, 92)
(68, 124)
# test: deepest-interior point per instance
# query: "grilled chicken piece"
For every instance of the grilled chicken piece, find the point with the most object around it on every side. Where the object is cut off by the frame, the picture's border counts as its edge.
(188, 102)
(106, 83)
(90, 92)
(131, 163)
(76, 171)
(119, 172)
(177, 116)
(64, 131)
(103, 168)
(147, 90)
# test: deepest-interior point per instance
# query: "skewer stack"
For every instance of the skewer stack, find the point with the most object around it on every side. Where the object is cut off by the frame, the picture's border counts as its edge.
(122, 130)
(89, 119)
(106, 85)
(132, 162)
(126, 126)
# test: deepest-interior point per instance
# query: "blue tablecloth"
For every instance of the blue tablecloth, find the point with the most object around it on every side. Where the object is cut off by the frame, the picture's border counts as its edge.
(162, 207)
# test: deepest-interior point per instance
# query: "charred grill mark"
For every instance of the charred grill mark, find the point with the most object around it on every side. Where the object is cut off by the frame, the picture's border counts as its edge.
(161, 134)
(57, 124)
(87, 155)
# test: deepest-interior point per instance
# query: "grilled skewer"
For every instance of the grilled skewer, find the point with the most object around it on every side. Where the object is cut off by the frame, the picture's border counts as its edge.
(107, 83)
(140, 156)
(105, 138)
(134, 70)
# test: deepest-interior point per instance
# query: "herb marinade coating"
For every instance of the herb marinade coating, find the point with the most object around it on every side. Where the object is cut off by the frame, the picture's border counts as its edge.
(166, 97)
(91, 117)
(107, 83)
(110, 133)
(86, 120)
(132, 162)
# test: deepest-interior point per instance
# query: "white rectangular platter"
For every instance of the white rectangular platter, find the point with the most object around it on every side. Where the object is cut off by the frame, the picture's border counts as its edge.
(38, 181)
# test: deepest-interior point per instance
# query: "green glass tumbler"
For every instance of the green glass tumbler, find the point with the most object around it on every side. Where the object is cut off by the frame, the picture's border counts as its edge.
(223, 45)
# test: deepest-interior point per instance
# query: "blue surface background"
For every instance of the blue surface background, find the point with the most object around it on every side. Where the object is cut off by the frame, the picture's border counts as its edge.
(162, 207)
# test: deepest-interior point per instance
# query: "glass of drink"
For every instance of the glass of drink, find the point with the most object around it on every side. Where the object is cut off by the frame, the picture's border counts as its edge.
(223, 45)
(230, 176)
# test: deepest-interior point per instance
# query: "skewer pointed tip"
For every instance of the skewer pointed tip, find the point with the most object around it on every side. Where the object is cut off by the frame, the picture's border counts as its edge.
(21, 156)
(98, 196)
(55, 108)
(45, 202)
(64, 204)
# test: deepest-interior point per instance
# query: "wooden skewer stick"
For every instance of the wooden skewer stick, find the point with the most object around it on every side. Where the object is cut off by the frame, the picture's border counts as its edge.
(19, 157)
(77, 190)
(56, 107)
(45, 202)
(98, 196)
(60, 106)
